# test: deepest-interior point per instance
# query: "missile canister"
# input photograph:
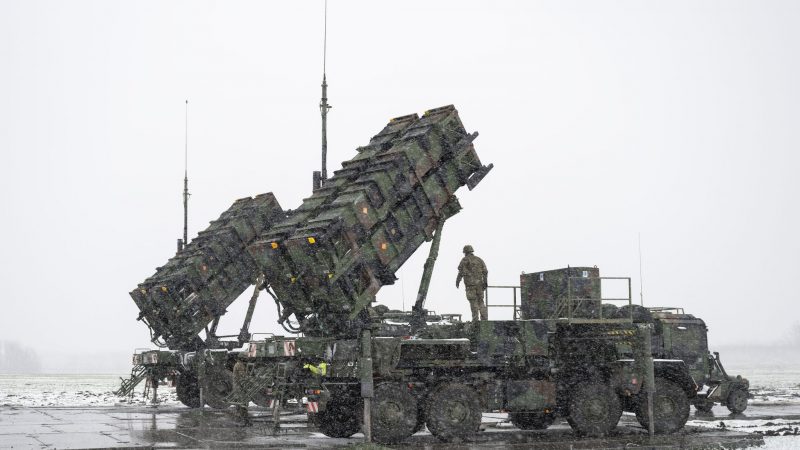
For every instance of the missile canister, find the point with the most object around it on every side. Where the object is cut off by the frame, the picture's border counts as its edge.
(347, 240)
(207, 275)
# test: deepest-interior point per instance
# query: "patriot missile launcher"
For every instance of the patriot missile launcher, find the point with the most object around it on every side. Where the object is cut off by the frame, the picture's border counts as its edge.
(324, 262)
(329, 259)
(194, 288)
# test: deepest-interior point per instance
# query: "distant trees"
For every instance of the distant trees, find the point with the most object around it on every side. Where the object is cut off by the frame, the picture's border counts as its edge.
(15, 358)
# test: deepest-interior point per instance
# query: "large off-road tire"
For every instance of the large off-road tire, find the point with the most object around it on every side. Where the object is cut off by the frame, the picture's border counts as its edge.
(394, 413)
(670, 407)
(341, 417)
(531, 420)
(453, 412)
(737, 400)
(703, 405)
(594, 409)
(188, 389)
(218, 386)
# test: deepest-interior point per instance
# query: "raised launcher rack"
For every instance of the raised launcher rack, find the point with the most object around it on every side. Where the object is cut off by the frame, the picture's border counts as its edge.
(349, 238)
(196, 285)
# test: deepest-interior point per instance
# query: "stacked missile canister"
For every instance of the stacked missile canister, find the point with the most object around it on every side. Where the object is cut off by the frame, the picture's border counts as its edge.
(207, 275)
(327, 261)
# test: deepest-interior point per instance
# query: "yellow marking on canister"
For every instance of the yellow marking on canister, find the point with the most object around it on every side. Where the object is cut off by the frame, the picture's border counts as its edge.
(311, 240)
(274, 245)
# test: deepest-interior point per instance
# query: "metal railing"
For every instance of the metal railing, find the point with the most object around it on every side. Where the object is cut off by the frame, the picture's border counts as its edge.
(666, 309)
(566, 307)
(569, 303)
(515, 305)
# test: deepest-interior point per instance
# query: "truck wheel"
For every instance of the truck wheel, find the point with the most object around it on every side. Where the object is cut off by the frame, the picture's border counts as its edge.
(188, 390)
(670, 407)
(703, 405)
(218, 386)
(531, 420)
(340, 418)
(453, 412)
(737, 400)
(394, 413)
(594, 409)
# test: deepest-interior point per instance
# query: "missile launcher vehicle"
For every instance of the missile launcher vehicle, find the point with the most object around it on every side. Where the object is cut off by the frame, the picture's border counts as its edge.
(675, 334)
(391, 373)
(683, 336)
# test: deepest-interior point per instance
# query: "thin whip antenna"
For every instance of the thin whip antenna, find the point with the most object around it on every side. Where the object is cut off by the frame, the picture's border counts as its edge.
(402, 290)
(186, 177)
(323, 103)
(641, 280)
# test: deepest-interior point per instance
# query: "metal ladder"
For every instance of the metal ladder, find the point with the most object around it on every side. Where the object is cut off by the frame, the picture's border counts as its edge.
(260, 380)
(138, 373)
(281, 381)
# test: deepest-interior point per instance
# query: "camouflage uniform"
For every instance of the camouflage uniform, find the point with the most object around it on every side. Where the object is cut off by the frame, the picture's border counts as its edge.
(239, 374)
(473, 270)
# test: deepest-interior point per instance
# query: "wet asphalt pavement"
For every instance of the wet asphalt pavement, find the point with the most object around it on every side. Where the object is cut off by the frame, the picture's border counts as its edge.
(179, 427)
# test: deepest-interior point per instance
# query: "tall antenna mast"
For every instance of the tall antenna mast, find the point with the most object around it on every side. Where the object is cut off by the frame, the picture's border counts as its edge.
(186, 194)
(320, 177)
(641, 280)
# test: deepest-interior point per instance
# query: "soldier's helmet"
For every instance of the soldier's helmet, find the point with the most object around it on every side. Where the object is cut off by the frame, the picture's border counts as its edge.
(468, 249)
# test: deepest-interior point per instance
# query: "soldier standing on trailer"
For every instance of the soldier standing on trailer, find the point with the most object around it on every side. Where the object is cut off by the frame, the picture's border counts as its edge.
(239, 374)
(473, 270)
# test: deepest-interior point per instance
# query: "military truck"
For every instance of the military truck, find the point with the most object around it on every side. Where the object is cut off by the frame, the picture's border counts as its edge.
(360, 367)
(675, 335)
(685, 337)
(584, 369)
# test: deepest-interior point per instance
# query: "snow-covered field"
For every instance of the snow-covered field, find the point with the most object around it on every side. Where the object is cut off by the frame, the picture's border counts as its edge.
(770, 387)
(72, 390)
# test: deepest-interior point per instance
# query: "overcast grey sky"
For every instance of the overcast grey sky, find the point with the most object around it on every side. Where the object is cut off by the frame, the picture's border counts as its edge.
(604, 119)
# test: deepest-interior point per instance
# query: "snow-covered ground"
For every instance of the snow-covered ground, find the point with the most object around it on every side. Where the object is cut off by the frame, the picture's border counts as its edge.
(770, 387)
(72, 390)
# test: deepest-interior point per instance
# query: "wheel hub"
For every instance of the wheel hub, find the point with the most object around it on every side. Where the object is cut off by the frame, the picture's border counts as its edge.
(458, 412)
(596, 409)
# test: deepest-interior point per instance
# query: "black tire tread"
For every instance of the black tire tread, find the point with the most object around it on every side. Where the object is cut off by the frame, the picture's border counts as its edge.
(385, 429)
(581, 420)
(438, 404)
(665, 388)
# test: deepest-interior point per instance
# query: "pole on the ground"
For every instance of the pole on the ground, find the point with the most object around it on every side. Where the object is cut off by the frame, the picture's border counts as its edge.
(649, 373)
(276, 414)
(365, 364)
(201, 377)
(154, 385)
